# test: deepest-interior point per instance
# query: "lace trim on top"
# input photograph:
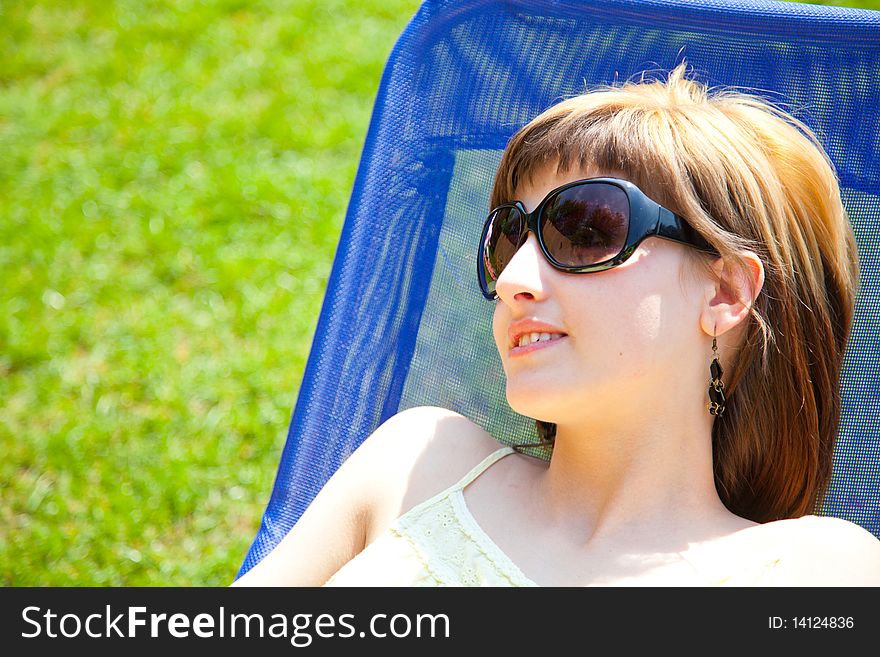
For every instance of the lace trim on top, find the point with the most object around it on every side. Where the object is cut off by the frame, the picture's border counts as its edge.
(439, 543)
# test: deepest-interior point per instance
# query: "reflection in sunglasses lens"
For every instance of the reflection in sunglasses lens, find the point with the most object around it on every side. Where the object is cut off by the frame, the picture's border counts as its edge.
(582, 225)
(586, 224)
(503, 240)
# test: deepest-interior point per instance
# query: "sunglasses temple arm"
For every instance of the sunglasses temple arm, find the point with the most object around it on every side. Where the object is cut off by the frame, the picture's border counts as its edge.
(674, 227)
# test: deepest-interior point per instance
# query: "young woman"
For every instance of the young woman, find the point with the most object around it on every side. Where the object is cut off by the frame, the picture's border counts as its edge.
(674, 277)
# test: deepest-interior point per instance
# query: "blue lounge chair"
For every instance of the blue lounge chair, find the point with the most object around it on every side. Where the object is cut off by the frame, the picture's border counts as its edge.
(403, 323)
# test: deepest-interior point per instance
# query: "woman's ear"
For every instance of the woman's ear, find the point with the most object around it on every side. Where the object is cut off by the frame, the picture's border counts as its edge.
(733, 292)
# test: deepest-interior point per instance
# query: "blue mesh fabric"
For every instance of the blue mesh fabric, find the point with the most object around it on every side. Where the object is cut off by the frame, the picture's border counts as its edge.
(403, 322)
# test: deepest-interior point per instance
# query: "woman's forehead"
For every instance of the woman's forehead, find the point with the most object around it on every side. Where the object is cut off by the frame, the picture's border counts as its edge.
(544, 178)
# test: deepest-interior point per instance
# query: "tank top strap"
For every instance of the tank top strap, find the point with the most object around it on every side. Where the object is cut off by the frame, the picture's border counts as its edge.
(483, 465)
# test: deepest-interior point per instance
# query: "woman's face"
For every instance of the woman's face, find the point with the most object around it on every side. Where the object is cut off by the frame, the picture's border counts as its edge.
(627, 332)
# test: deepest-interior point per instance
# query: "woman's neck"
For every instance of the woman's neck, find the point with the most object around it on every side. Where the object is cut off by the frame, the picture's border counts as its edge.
(632, 480)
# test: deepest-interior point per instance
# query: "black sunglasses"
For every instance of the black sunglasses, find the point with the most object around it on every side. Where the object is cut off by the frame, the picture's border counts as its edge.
(582, 227)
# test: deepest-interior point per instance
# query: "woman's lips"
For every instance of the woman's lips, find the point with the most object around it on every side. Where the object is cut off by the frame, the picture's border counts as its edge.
(534, 346)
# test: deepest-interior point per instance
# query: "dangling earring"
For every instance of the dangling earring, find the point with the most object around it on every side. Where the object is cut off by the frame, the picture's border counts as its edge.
(716, 386)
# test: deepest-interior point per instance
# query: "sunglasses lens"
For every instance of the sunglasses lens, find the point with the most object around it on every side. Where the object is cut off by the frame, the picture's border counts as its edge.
(502, 239)
(586, 224)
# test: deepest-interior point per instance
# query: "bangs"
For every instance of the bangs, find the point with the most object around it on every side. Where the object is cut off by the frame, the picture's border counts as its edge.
(638, 147)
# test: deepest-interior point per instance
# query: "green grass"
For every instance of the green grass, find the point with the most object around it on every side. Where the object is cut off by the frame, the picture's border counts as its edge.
(174, 179)
(858, 4)
(173, 182)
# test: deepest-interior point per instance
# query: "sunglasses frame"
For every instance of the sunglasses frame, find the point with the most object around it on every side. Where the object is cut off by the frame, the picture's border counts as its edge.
(647, 218)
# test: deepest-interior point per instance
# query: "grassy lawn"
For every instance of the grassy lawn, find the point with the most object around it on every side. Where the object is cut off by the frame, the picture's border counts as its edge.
(858, 4)
(173, 182)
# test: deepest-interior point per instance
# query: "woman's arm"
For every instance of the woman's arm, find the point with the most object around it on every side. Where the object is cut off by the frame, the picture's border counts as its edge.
(411, 456)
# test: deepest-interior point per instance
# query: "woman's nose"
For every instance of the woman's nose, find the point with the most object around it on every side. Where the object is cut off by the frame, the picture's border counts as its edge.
(524, 273)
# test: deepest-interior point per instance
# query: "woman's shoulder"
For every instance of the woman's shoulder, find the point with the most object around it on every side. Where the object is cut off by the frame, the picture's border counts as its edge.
(429, 436)
(416, 454)
(825, 551)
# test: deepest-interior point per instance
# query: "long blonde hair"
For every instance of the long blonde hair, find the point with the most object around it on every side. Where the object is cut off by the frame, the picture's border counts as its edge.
(747, 175)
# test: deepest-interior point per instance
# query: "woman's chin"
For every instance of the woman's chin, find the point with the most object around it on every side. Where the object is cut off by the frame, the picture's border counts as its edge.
(530, 406)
